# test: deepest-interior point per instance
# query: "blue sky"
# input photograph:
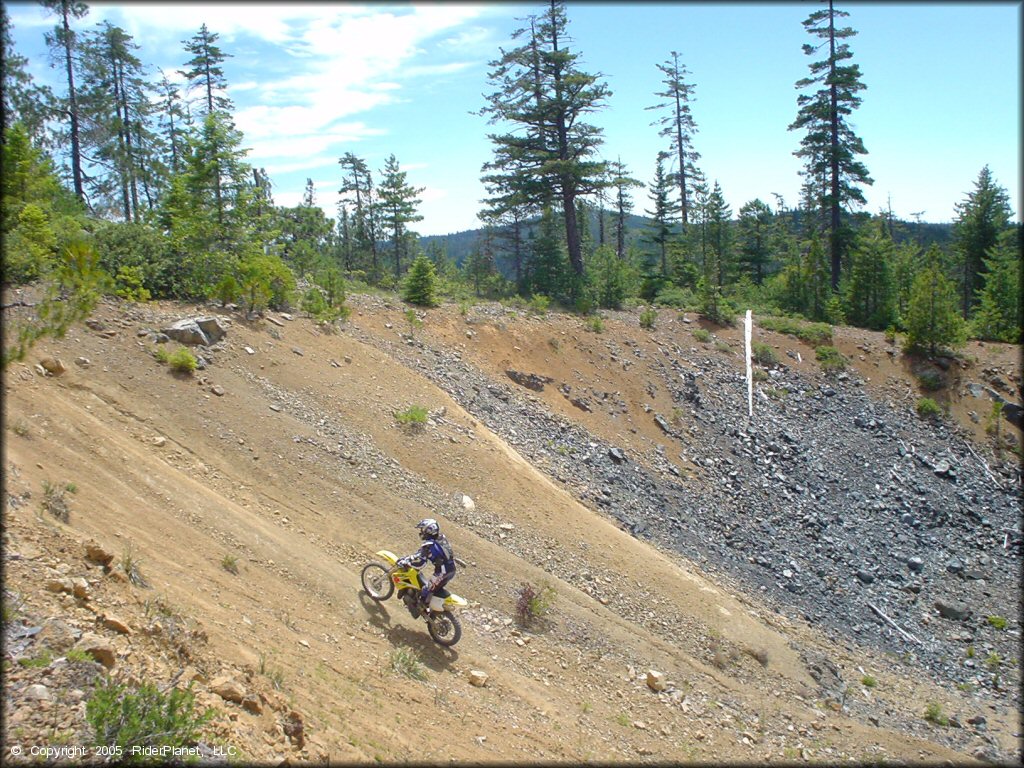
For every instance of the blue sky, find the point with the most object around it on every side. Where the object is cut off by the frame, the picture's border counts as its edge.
(313, 81)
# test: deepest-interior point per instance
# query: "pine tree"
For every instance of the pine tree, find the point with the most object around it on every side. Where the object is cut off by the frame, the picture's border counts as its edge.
(933, 321)
(205, 72)
(398, 204)
(754, 230)
(678, 126)
(829, 148)
(998, 313)
(115, 105)
(981, 218)
(357, 187)
(542, 89)
(870, 299)
(421, 283)
(660, 225)
(63, 40)
(620, 181)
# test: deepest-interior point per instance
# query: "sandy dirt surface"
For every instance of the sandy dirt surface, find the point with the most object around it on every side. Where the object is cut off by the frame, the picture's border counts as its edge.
(283, 461)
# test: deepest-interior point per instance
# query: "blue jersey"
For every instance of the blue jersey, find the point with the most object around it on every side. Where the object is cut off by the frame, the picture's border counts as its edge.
(437, 551)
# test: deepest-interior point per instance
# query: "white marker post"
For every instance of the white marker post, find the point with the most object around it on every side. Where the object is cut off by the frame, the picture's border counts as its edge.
(750, 372)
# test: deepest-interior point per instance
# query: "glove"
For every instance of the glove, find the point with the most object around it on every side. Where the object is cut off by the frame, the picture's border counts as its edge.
(403, 562)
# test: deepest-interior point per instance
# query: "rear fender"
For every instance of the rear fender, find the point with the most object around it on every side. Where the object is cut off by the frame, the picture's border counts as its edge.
(454, 600)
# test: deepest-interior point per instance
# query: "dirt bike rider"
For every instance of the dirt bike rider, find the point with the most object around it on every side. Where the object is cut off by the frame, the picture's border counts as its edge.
(437, 550)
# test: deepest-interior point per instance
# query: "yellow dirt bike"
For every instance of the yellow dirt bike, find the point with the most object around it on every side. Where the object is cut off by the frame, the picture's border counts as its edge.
(380, 582)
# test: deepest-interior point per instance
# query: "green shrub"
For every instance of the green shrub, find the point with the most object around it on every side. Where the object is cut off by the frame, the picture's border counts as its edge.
(933, 713)
(162, 354)
(811, 333)
(760, 375)
(928, 408)
(830, 359)
(44, 659)
(413, 416)
(930, 381)
(129, 284)
(999, 622)
(648, 318)
(144, 717)
(182, 361)
(531, 603)
(868, 681)
(763, 354)
(414, 322)
(674, 296)
(702, 335)
(539, 304)
(405, 663)
(230, 564)
(594, 324)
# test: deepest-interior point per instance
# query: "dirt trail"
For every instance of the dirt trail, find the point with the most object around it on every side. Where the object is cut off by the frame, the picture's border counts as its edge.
(286, 462)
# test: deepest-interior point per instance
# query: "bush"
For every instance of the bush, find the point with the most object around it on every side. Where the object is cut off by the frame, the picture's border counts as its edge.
(144, 717)
(595, 324)
(532, 604)
(930, 381)
(811, 333)
(539, 304)
(414, 416)
(647, 318)
(763, 354)
(182, 361)
(830, 359)
(868, 681)
(673, 296)
(999, 622)
(702, 335)
(928, 408)
(405, 663)
(933, 713)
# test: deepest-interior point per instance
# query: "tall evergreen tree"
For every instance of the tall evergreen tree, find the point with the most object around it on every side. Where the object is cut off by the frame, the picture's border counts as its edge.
(116, 107)
(357, 187)
(754, 230)
(870, 299)
(998, 313)
(398, 204)
(678, 127)
(63, 40)
(981, 218)
(932, 319)
(171, 121)
(205, 73)
(660, 226)
(830, 148)
(621, 182)
(541, 87)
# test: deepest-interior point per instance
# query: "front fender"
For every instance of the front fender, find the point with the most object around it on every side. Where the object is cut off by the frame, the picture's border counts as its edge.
(390, 557)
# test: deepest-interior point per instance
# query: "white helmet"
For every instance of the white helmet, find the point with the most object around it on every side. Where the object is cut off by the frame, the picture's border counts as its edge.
(428, 528)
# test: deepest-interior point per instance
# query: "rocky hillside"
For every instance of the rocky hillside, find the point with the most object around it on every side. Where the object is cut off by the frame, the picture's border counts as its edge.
(833, 578)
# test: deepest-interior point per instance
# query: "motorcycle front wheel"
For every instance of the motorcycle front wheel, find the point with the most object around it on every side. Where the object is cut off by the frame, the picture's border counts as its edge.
(377, 582)
(444, 628)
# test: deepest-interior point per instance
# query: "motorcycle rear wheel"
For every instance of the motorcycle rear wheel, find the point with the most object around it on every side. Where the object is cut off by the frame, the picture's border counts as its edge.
(444, 628)
(377, 581)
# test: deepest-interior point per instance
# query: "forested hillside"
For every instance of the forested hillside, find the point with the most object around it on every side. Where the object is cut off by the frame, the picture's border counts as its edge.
(130, 181)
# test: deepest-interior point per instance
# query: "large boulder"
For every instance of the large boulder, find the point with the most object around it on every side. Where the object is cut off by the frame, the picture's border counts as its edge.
(212, 327)
(187, 332)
